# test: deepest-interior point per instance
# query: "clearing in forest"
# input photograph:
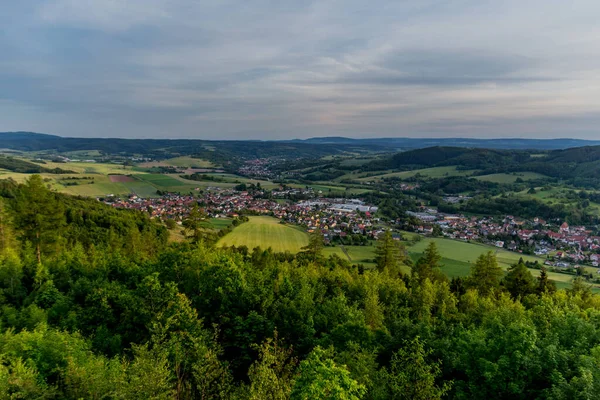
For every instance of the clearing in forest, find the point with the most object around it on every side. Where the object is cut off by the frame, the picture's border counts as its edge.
(266, 232)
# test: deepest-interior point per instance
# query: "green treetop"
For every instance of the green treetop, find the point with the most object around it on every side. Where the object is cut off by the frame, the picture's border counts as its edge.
(389, 253)
(485, 274)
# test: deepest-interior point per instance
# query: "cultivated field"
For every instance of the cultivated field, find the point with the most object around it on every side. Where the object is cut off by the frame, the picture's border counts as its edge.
(181, 162)
(266, 232)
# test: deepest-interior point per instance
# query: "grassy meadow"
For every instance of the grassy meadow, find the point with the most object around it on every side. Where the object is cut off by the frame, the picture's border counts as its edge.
(510, 178)
(266, 232)
(437, 172)
(457, 258)
(181, 162)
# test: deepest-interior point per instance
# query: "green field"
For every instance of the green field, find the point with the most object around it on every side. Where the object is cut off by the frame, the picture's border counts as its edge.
(266, 232)
(90, 168)
(463, 251)
(161, 180)
(220, 223)
(510, 178)
(457, 258)
(437, 172)
(181, 162)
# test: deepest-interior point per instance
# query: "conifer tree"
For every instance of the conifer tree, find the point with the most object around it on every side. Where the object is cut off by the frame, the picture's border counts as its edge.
(39, 215)
(518, 281)
(6, 232)
(196, 226)
(485, 274)
(544, 285)
(389, 253)
(428, 265)
(315, 245)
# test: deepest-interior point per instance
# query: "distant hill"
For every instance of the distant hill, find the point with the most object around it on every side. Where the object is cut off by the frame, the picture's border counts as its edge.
(416, 143)
(220, 152)
(580, 163)
(313, 147)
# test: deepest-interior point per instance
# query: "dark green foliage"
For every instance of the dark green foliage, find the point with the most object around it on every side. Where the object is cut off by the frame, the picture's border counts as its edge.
(411, 376)
(428, 266)
(113, 311)
(485, 275)
(315, 245)
(38, 215)
(389, 254)
(518, 281)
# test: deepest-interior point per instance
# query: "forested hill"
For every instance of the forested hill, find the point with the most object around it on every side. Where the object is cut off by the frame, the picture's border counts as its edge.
(219, 152)
(417, 143)
(574, 163)
(96, 304)
(18, 165)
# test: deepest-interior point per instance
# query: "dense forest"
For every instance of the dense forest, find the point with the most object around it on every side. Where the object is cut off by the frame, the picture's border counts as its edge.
(97, 303)
(219, 152)
(579, 165)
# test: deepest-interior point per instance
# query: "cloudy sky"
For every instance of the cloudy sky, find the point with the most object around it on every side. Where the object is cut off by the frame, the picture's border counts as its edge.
(280, 69)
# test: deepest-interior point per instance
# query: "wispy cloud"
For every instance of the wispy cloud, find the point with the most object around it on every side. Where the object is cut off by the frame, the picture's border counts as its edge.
(282, 69)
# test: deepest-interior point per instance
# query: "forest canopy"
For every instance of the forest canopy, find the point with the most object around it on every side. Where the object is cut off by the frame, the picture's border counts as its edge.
(97, 303)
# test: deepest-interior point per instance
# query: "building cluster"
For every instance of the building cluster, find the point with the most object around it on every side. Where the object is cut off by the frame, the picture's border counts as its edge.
(334, 217)
(258, 168)
(561, 244)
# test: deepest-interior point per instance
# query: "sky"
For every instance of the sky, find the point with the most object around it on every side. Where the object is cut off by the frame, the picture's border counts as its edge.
(282, 69)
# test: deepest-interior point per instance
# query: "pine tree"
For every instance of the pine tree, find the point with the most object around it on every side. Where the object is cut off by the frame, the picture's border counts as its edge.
(389, 253)
(544, 285)
(315, 245)
(518, 281)
(6, 233)
(428, 265)
(485, 274)
(38, 215)
(271, 375)
(196, 226)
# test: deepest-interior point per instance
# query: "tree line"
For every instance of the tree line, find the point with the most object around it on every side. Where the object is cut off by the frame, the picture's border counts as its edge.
(96, 303)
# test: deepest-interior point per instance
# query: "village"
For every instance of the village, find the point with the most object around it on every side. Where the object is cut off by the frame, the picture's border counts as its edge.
(335, 218)
(562, 245)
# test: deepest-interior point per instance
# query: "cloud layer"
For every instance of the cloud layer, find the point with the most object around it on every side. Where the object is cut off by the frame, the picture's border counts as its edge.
(291, 69)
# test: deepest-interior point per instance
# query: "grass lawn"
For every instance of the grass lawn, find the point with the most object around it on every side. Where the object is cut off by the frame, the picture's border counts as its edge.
(266, 232)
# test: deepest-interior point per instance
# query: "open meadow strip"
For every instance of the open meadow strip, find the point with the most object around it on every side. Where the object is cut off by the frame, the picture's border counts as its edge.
(266, 232)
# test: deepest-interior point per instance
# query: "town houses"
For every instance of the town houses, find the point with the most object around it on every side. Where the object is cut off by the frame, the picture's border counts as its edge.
(562, 243)
(333, 217)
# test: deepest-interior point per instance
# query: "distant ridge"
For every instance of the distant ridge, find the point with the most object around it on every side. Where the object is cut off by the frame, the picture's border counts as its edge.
(416, 143)
(28, 141)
